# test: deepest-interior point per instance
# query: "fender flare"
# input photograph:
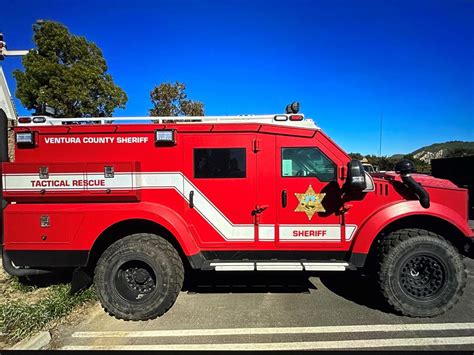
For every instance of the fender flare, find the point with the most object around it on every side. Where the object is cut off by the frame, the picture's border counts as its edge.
(155, 213)
(373, 225)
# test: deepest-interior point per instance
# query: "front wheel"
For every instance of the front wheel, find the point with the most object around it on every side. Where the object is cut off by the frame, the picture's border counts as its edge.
(139, 277)
(420, 273)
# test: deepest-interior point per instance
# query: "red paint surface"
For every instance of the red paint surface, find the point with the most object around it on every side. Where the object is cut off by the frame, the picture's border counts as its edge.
(79, 217)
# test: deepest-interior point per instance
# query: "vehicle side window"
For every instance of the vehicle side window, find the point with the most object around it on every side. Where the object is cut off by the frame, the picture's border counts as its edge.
(307, 161)
(219, 163)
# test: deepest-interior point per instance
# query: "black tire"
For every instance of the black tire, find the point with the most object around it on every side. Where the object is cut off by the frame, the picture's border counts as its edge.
(420, 273)
(139, 277)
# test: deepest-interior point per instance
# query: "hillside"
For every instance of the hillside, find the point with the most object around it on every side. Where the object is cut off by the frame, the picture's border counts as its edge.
(448, 146)
(441, 150)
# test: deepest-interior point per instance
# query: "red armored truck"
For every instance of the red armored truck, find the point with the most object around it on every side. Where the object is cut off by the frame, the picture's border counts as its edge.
(136, 203)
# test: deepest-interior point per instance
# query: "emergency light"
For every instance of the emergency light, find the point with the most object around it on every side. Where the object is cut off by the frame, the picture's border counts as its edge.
(165, 136)
(25, 138)
(24, 119)
(39, 119)
(296, 118)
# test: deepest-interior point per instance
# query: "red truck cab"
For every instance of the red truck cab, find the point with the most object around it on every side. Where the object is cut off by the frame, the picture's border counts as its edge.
(136, 203)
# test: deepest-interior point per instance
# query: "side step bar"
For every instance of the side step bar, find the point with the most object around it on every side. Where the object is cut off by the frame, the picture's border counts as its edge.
(279, 266)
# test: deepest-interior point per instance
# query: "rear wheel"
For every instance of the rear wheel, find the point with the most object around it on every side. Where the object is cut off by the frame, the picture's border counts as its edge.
(420, 273)
(139, 277)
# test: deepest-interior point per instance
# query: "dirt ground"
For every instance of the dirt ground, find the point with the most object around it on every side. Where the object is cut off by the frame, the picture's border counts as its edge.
(11, 290)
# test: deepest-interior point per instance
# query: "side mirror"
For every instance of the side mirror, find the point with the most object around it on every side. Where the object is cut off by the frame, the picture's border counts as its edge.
(356, 180)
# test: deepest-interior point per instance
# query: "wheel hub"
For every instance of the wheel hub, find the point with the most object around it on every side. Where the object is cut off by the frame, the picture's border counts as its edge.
(140, 276)
(135, 280)
(422, 277)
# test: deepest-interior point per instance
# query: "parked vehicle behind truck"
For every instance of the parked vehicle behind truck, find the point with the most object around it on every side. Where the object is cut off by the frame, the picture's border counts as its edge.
(137, 203)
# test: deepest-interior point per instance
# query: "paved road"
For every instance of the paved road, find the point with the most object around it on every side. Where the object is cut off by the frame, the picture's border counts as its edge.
(274, 311)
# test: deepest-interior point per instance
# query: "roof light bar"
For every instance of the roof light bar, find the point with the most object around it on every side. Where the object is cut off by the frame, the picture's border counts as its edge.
(296, 117)
(24, 119)
(280, 118)
(39, 119)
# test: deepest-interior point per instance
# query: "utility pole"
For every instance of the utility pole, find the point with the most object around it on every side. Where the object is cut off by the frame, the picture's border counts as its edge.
(381, 126)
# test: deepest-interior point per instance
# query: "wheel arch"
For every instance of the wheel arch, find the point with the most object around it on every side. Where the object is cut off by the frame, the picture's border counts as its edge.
(439, 220)
(123, 228)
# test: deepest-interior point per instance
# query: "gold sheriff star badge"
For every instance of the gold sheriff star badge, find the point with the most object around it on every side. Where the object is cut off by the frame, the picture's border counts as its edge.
(310, 202)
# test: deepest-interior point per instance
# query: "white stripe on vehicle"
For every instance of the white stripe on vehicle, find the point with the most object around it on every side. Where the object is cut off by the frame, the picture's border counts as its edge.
(67, 182)
(315, 232)
(266, 232)
(30, 182)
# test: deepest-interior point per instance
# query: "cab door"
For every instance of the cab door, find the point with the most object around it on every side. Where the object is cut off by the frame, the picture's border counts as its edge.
(220, 188)
(310, 198)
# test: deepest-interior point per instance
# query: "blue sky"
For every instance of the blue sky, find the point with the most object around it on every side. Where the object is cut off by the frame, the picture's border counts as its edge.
(344, 61)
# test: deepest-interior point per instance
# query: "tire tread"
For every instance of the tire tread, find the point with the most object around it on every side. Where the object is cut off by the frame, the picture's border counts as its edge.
(153, 242)
(385, 248)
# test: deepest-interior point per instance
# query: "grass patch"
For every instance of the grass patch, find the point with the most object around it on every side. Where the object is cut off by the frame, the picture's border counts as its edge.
(18, 286)
(19, 318)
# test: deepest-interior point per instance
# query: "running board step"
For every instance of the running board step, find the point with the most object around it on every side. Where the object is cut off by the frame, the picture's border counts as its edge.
(279, 266)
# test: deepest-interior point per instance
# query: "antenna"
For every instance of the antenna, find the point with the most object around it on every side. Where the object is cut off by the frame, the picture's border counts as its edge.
(381, 126)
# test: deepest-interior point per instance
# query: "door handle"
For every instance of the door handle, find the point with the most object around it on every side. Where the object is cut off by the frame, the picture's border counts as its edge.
(284, 198)
(191, 199)
(259, 210)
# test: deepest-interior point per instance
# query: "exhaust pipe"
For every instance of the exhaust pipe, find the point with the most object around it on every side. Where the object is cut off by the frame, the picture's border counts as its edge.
(6, 261)
(419, 191)
(404, 168)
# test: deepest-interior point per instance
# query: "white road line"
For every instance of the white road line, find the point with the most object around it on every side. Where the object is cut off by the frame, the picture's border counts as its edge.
(304, 345)
(275, 330)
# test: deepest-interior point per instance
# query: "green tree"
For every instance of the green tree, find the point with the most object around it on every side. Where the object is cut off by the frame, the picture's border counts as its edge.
(357, 156)
(384, 163)
(66, 72)
(459, 152)
(170, 99)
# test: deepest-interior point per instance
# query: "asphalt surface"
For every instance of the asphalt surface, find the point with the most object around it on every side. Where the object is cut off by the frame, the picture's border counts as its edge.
(276, 311)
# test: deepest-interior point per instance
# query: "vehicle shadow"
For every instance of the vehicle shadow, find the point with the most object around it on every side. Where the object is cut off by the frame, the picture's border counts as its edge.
(356, 288)
(46, 280)
(246, 282)
(351, 286)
